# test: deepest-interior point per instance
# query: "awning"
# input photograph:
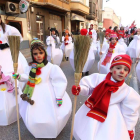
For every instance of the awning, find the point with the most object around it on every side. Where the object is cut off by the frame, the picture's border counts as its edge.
(77, 17)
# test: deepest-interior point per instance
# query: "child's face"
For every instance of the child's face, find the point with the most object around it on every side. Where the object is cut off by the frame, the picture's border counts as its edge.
(38, 55)
(53, 32)
(113, 40)
(119, 72)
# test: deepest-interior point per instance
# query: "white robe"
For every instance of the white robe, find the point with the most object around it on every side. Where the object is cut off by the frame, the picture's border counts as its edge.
(119, 49)
(121, 42)
(69, 47)
(138, 71)
(134, 47)
(7, 100)
(45, 119)
(63, 45)
(104, 47)
(55, 53)
(89, 63)
(94, 41)
(122, 113)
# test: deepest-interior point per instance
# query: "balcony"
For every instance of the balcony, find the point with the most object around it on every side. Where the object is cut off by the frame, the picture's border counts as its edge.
(58, 5)
(79, 7)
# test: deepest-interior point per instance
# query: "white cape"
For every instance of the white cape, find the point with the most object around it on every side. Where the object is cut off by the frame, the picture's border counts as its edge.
(134, 47)
(68, 48)
(138, 71)
(45, 119)
(122, 113)
(89, 63)
(55, 53)
(121, 42)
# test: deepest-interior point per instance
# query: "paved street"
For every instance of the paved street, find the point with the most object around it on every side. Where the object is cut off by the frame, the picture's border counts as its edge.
(11, 132)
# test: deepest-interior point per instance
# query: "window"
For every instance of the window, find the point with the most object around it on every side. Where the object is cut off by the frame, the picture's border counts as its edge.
(16, 24)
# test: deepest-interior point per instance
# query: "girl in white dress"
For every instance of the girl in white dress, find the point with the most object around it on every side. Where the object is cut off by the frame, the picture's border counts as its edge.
(111, 110)
(45, 107)
(54, 53)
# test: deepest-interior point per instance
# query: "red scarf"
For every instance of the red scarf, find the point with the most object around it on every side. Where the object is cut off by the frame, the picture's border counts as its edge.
(109, 54)
(99, 101)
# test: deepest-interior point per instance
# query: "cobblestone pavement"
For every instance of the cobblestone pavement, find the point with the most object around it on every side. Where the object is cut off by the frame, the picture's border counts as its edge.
(11, 133)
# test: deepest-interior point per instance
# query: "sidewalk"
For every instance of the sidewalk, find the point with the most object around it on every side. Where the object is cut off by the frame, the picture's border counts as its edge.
(26, 53)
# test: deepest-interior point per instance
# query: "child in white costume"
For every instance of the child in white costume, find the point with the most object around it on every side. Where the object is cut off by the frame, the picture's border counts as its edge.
(105, 45)
(7, 100)
(121, 40)
(111, 112)
(90, 59)
(114, 49)
(92, 33)
(134, 46)
(5, 53)
(68, 44)
(53, 50)
(46, 107)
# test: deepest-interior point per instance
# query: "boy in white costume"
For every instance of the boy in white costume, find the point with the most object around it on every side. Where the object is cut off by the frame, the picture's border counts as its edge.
(114, 49)
(111, 111)
(54, 53)
(45, 107)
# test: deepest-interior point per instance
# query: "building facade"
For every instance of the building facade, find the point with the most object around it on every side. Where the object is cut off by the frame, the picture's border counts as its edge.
(95, 13)
(15, 19)
(60, 14)
(110, 18)
(48, 13)
(79, 10)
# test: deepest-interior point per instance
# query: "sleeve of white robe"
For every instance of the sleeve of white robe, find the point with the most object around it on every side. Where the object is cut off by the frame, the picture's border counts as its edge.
(88, 83)
(59, 81)
(94, 36)
(25, 76)
(50, 40)
(105, 48)
(130, 106)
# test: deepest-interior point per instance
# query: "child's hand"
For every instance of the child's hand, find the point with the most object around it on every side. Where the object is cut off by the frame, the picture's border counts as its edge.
(131, 134)
(16, 76)
(75, 90)
(59, 102)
